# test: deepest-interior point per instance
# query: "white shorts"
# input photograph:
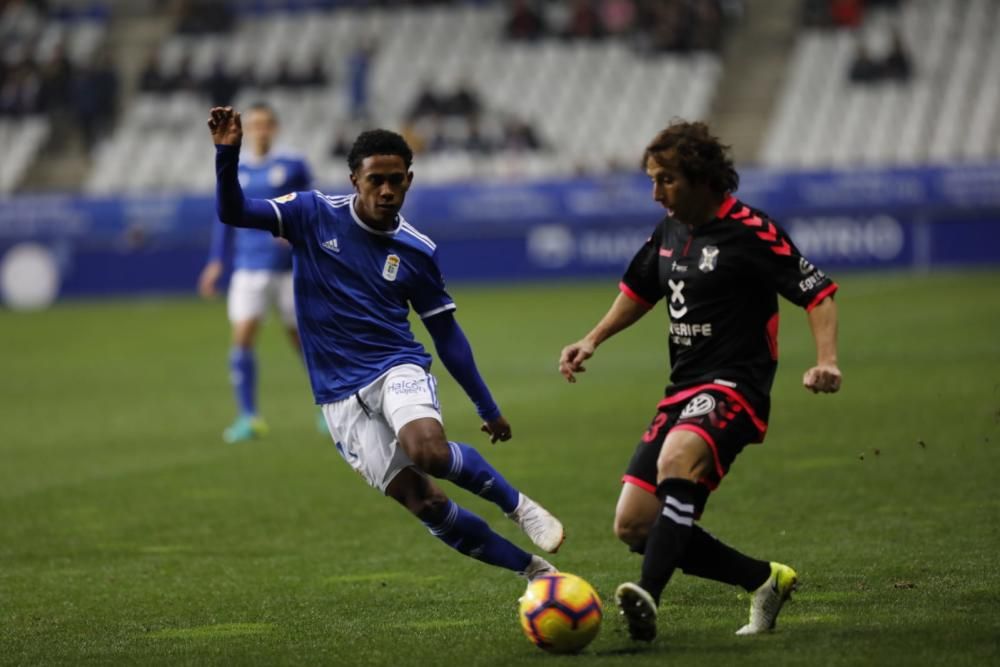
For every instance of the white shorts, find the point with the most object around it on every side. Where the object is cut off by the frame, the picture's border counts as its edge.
(252, 291)
(365, 426)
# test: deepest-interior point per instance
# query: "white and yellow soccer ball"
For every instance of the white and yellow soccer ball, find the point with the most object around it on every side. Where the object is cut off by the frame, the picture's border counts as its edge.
(561, 613)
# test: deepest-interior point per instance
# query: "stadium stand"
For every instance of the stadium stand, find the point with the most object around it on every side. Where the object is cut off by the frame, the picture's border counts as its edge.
(590, 101)
(943, 108)
(48, 61)
(567, 90)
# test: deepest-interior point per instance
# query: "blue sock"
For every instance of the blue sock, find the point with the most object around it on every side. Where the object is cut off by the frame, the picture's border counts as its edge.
(465, 532)
(243, 375)
(473, 473)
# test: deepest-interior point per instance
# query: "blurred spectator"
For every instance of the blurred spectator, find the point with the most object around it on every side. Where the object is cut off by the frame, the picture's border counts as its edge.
(95, 99)
(317, 74)
(182, 79)
(475, 140)
(427, 103)
(846, 13)
(706, 27)
(462, 102)
(896, 65)
(525, 23)
(21, 90)
(221, 86)
(618, 16)
(413, 137)
(519, 136)
(651, 25)
(151, 79)
(284, 77)
(668, 26)
(583, 21)
(864, 69)
(19, 20)
(341, 145)
(196, 17)
(57, 78)
(359, 65)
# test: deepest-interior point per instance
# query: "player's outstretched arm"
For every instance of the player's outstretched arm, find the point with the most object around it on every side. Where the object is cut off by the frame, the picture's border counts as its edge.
(231, 205)
(825, 376)
(455, 352)
(624, 312)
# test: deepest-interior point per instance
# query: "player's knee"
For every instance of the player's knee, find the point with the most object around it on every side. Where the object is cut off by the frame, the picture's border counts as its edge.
(429, 451)
(430, 507)
(631, 531)
(681, 462)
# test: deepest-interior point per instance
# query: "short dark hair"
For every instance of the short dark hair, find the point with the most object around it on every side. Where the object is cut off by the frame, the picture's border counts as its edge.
(701, 157)
(378, 142)
(260, 105)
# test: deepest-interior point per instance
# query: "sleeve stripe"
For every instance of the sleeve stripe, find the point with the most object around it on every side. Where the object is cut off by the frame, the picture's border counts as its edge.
(828, 291)
(277, 212)
(630, 293)
(436, 311)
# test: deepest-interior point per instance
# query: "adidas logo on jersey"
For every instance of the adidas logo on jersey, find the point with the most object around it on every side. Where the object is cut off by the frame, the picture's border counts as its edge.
(332, 245)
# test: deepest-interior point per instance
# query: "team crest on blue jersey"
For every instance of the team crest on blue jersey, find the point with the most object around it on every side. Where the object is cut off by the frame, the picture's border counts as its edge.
(709, 258)
(391, 267)
(284, 199)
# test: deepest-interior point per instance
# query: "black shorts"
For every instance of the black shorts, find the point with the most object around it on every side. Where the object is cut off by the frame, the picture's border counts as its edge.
(722, 416)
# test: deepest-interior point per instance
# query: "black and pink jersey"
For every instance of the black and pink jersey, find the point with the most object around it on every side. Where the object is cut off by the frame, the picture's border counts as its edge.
(721, 281)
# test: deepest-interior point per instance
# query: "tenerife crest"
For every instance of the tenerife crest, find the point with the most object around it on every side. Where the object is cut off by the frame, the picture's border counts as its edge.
(709, 258)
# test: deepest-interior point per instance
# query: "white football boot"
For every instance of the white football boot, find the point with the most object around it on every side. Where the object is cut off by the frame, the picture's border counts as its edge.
(768, 599)
(536, 522)
(639, 609)
(538, 567)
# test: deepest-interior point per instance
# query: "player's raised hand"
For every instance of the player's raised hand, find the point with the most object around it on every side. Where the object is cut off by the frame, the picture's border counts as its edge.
(822, 378)
(572, 358)
(497, 429)
(226, 126)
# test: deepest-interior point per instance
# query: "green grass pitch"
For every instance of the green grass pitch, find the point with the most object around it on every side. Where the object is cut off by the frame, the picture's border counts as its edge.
(129, 533)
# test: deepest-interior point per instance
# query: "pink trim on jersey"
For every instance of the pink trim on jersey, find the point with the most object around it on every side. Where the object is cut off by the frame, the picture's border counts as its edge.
(728, 391)
(699, 431)
(727, 205)
(830, 289)
(630, 293)
(641, 483)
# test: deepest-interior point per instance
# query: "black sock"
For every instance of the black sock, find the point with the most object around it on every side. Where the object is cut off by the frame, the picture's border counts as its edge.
(709, 558)
(669, 537)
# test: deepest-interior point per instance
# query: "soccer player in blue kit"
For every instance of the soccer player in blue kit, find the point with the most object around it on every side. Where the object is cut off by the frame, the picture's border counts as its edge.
(262, 267)
(359, 266)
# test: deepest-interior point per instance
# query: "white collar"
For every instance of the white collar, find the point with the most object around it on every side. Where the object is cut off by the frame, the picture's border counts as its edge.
(369, 228)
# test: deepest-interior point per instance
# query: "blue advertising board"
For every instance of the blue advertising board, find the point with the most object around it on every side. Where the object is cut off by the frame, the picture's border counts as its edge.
(890, 218)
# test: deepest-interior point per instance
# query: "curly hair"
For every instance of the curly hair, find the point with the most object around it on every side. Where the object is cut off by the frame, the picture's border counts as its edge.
(378, 142)
(701, 157)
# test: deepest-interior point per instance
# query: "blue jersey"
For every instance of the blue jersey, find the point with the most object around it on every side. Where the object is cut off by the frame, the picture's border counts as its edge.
(265, 178)
(354, 286)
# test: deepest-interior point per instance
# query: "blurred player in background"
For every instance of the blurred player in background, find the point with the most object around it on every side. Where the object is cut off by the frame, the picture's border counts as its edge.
(359, 267)
(720, 265)
(262, 267)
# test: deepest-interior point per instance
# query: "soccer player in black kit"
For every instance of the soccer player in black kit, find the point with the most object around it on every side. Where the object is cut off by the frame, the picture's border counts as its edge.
(720, 265)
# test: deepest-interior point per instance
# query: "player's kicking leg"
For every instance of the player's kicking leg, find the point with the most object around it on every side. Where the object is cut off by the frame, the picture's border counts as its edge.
(425, 443)
(459, 528)
(668, 516)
